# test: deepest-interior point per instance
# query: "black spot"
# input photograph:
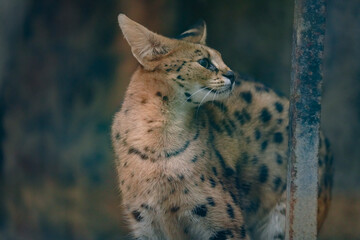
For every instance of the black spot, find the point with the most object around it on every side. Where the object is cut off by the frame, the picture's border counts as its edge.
(174, 209)
(265, 115)
(228, 172)
(279, 159)
(263, 173)
(147, 207)
(137, 152)
(197, 51)
(187, 94)
(186, 191)
(214, 171)
(178, 70)
(178, 151)
(264, 145)
(180, 78)
(278, 137)
(213, 123)
(230, 211)
(221, 183)
(279, 107)
(158, 94)
(257, 134)
(227, 128)
(279, 236)
(220, 158)
(202, 178)
(221, 106)
(212, 182)
(137, 216)
(261, 88)
(242, 117)
(242, 231)
(117, 136)
(197, 134)
(180, 85)
(210, 201)
(277, 182)
(165, 98)
(194, 159)
(247, 96)
(222, 235)
(233, 197)
(200, 210)
(181, 176)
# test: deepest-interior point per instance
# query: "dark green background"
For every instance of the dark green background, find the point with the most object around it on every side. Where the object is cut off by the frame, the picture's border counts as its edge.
(64, 67)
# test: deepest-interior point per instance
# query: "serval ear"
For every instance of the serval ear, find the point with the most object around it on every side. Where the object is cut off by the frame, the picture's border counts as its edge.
(196, 34)
(146, 46)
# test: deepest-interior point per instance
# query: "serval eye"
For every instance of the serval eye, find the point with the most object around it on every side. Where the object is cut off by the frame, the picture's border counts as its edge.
(205, 62)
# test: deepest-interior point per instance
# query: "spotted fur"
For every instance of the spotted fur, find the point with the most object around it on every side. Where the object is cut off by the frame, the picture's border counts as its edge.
(199, 154)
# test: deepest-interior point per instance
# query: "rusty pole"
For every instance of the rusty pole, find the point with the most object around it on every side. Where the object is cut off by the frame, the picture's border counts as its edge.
(305, 106)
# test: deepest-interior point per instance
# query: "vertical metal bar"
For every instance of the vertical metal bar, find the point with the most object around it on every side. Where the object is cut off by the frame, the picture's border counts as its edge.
(305, 106)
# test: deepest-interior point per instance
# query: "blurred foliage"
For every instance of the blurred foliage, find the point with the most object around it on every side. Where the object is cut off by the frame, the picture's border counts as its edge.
(66, 66)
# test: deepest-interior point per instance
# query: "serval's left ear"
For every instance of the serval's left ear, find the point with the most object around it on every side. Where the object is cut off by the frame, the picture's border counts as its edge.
(146, 46)
(196, 34)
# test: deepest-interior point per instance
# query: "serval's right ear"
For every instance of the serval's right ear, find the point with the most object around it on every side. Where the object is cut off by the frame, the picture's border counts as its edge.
(146, 46)
(196, 34)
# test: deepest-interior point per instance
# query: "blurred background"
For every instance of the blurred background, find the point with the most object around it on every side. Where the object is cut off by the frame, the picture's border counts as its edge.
(64, 67)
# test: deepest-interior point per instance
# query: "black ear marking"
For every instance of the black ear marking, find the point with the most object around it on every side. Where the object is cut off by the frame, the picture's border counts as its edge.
(196, 34)
(184, 35)
(194, 30)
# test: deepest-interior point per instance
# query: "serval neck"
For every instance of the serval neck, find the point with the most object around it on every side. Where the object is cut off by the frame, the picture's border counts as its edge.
(160, 113)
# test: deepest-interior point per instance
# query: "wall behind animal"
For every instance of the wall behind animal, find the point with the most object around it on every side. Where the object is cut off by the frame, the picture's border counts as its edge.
(64, 67)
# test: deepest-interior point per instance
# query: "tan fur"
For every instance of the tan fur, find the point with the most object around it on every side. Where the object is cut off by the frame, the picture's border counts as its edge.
(193, 164)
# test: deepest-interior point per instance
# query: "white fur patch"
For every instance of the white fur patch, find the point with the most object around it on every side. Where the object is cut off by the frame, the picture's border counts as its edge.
(272, 227)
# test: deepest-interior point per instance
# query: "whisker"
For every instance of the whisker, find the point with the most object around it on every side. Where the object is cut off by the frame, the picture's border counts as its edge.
(214, 96)
(197, 111)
